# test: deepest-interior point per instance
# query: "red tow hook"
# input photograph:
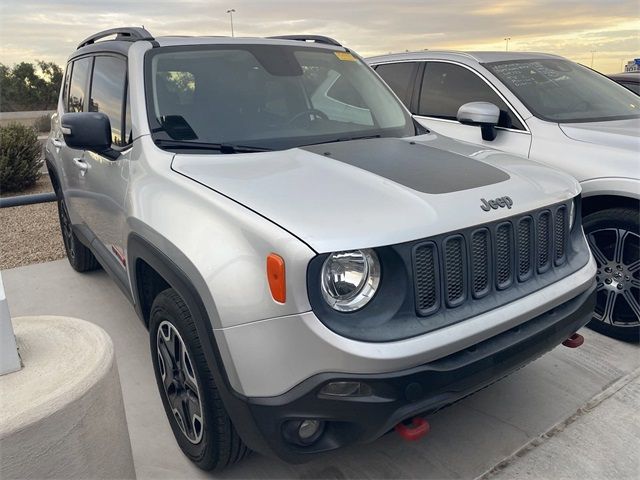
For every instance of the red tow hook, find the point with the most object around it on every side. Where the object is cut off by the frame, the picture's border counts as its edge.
(419, 428)
(574, 341)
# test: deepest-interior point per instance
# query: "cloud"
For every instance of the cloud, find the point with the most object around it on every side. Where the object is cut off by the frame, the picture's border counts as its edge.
(51, 29)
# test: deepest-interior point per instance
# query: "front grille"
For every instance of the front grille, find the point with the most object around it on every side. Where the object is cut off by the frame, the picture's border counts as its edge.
(465, 266)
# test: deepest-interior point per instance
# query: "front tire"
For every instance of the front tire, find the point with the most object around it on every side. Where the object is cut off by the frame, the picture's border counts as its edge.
(614, 238)
(189, 394)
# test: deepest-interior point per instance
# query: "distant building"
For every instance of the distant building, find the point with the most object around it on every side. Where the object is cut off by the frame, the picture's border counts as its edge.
(633, 66)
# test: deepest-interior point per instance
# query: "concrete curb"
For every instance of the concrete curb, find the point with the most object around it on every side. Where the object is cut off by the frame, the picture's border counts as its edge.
(62, 415)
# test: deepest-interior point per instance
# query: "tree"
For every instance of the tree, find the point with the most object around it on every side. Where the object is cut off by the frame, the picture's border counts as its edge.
(28, 86)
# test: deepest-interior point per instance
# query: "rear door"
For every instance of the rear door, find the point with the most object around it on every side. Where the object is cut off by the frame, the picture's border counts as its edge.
(75, 99)
(445, 87)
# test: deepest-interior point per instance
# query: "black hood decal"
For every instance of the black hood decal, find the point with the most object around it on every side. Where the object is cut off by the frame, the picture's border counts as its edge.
(414, 165)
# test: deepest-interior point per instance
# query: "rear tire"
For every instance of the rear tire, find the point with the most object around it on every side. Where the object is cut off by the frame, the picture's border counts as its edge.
(80, 257)
(614, 237)
(187, 387)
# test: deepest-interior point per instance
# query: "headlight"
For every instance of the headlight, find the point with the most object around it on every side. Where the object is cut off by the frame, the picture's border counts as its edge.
(572, 213)
(350, 279)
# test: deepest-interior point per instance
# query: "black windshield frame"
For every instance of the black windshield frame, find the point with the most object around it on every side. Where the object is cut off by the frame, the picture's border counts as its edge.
(158, 132)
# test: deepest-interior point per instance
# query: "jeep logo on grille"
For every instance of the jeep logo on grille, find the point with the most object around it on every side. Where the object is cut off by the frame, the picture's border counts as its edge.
(499, 202)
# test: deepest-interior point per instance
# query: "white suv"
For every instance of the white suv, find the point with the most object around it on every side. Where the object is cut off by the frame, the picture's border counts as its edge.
(556, 112)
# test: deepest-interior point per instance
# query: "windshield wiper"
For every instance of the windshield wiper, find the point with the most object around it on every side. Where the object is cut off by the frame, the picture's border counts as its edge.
(218, 147)
(346, 139)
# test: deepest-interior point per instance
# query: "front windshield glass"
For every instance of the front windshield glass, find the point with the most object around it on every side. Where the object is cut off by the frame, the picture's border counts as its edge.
(267, 96)
(562, 91)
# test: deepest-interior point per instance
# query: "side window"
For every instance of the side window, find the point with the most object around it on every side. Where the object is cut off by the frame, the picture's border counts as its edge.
(399, 76)
(108, 93)
(65, 86)
(446, 87)
(78, 84)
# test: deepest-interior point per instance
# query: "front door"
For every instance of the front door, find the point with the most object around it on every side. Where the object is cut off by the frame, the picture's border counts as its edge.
(105, 181)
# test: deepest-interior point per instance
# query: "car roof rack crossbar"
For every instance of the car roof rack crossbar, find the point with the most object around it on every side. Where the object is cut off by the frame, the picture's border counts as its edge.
(309, 38)
(126, 34)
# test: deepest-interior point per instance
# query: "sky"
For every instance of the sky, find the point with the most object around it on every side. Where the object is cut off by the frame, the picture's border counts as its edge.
(604, 32)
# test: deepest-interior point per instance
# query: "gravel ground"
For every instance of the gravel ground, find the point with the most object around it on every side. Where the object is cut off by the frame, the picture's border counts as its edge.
(30, 234)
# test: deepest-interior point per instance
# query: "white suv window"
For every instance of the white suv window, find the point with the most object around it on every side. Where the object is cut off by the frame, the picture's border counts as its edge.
(446, 87)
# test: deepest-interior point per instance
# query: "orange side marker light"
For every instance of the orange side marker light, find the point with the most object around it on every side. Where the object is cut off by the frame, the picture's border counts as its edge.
(276, 277)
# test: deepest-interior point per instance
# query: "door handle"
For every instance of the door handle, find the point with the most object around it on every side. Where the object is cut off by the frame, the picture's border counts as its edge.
(82, 165)
(56, 143)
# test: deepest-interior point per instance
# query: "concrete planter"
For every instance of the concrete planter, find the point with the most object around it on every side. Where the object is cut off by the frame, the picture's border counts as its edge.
(62, 415)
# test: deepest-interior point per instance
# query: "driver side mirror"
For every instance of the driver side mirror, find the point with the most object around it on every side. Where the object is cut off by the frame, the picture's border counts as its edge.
(483, 114)
(88, 131)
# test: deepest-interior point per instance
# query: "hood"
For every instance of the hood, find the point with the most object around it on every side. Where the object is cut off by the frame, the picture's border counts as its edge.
(621, 134)
(375, 192)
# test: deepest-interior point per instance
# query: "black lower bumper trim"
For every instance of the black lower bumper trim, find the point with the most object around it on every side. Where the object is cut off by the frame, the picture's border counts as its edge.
(421, 390)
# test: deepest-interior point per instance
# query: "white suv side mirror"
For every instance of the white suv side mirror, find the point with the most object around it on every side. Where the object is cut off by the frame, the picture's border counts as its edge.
(482, 114)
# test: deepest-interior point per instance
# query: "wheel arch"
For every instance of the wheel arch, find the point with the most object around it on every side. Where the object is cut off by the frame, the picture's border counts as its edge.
(146, 261)
(53, 174)
(595, 203)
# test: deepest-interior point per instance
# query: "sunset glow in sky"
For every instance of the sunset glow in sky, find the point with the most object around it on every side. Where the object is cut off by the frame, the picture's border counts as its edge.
(51, 29)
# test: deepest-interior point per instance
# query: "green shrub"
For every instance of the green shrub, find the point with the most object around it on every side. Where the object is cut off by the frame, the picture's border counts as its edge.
(43, 124)
(20, 157)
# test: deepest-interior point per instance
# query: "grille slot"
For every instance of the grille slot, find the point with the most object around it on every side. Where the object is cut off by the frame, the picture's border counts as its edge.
(426, 274)
(525, 248)
(480, 262)
(461, 267)
(504, 255)
(454, 270)
(558, 235)
(544, 242)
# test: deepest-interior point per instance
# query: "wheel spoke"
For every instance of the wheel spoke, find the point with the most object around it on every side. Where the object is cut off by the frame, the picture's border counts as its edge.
(607, 313)
(634, 267)
(600, 257)
(621, 236)
(632, 301)
(165, 356)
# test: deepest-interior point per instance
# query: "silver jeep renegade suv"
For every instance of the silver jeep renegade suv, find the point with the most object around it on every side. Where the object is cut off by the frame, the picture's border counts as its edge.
(314, 268)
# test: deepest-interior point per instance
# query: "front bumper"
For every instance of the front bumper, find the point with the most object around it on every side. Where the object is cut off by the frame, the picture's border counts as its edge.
(399, 395)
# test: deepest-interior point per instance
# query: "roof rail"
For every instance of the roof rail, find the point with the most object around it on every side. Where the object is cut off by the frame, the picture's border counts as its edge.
(309, 38)
(125, 34)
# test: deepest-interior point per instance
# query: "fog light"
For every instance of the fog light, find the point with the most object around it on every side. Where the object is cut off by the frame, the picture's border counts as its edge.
(346, 389)
(308, 428)
(303, 432)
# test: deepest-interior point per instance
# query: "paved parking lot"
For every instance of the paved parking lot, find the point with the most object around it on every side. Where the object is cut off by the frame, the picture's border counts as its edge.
(585, 400)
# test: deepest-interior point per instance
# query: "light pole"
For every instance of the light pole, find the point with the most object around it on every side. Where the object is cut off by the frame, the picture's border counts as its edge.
(593, 52)
(231, 11)
(506, 39)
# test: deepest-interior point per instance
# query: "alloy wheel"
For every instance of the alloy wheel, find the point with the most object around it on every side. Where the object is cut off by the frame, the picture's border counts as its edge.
(179, 381)
(617, 253)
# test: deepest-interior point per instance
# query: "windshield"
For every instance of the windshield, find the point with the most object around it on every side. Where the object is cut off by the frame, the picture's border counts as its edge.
(563, 91)
(267, 96)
